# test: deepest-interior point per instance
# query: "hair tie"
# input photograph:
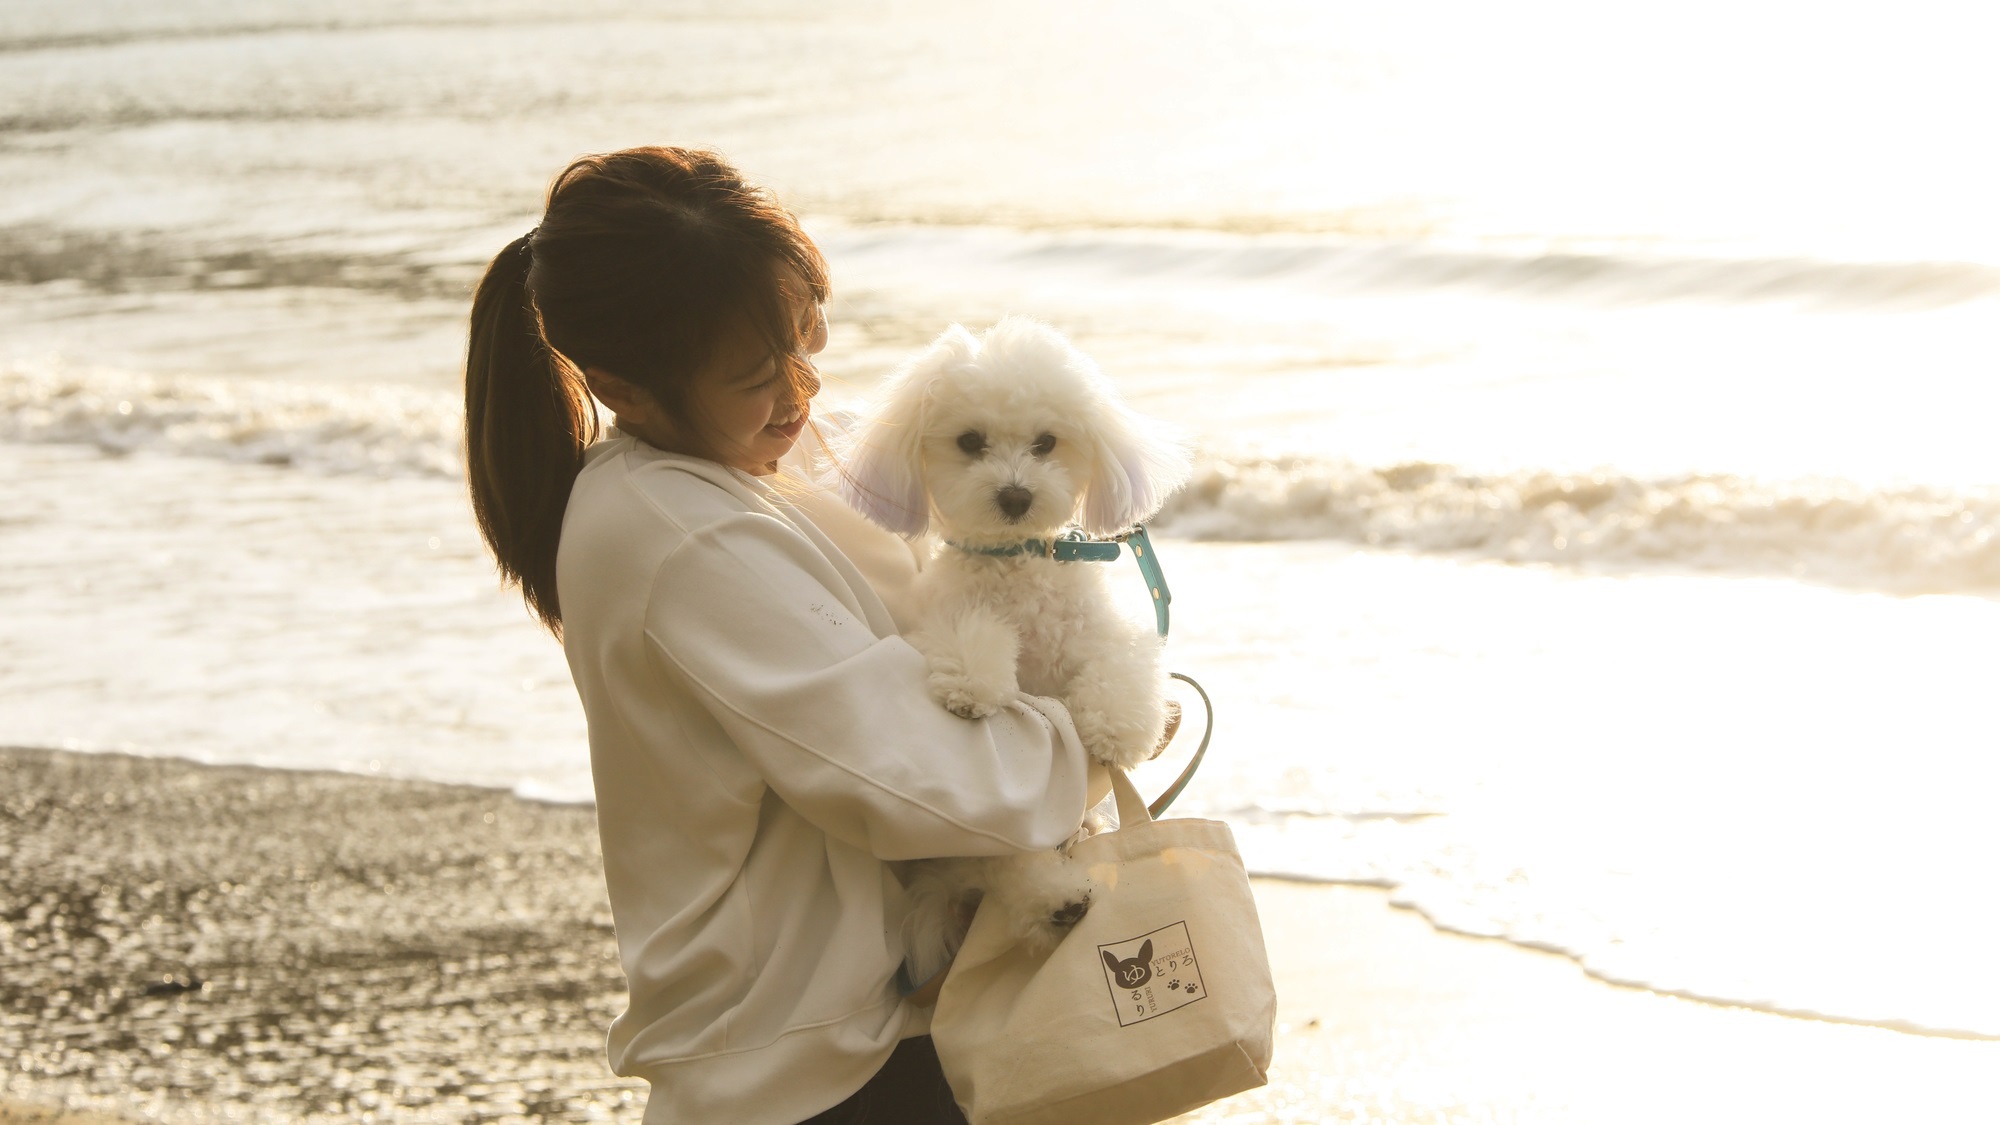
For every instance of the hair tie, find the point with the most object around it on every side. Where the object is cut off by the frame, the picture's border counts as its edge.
(528, 240)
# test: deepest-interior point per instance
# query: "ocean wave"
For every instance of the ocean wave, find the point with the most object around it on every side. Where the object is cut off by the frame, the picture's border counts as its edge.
(1189, 258)
(166, 24)
(120, 262)
(1428, 866)
(377, 429)
(1908, 540)
(1352, 265)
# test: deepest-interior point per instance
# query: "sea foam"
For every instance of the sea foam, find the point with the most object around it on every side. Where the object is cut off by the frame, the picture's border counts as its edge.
(370, 428)
(1914, 539)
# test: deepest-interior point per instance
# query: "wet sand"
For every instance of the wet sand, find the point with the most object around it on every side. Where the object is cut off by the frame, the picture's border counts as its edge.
(191, 944)
(1383, 1019)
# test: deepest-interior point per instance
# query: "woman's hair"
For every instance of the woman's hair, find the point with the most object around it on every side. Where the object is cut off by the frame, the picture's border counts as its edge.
(647, 263)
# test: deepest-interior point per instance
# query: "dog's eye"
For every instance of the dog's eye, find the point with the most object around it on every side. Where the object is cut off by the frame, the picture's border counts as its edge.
(972, 442)
(1045, 445)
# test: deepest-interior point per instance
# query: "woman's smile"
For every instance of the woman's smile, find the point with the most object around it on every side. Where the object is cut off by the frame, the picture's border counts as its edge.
(790, 430)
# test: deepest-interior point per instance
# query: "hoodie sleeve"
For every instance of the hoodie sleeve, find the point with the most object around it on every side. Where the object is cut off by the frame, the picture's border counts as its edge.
(840, 723)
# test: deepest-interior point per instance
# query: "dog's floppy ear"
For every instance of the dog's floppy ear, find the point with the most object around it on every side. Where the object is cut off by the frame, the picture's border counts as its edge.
(1136, 465)
(881, 471)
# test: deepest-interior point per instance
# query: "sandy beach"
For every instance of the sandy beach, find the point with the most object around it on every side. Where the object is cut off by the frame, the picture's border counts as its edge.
(186, 943)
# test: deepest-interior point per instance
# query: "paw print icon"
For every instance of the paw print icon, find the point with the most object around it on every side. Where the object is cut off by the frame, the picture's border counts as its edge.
(1173, 984)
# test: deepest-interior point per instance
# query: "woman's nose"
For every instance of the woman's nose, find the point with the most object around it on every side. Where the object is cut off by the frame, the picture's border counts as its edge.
(816, 339)
(804, 381)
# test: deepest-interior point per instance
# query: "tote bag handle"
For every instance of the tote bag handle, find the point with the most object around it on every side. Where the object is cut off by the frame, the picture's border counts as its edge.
(1131, 806)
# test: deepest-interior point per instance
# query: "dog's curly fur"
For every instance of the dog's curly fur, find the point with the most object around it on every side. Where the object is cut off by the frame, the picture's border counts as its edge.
(984, 443)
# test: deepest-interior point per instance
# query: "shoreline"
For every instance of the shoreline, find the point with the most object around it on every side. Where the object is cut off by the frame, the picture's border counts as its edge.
(1388, 890)
(452, 960)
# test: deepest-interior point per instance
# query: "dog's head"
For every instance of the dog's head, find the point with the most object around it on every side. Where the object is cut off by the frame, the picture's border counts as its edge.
(1013, 435)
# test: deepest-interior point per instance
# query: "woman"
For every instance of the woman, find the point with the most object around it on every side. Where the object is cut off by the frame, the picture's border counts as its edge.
(762, 743)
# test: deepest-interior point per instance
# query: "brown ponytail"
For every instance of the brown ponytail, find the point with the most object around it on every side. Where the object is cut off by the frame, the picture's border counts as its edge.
(644, 263)
(528, 418)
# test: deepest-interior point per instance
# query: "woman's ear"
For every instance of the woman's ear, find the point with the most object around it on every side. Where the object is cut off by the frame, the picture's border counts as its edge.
(639, 413)
(622, 396)
(882, 462)
(1136, 465)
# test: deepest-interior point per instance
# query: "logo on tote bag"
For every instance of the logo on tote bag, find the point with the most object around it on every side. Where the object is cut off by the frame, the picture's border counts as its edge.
(1152, 974)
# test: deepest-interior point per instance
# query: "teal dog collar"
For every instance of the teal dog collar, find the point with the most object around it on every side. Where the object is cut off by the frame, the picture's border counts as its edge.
(1072, 546)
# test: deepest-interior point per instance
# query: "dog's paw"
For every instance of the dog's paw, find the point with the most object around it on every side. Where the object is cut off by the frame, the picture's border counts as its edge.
(958, 698)
(1121, 748)
(1038, 934)
(1121, 741)
(970, 697)
(1070, 913)
(967, 708)
(1041, 896)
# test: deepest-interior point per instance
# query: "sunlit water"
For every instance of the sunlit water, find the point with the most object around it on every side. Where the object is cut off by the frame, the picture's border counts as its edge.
(1594, 531)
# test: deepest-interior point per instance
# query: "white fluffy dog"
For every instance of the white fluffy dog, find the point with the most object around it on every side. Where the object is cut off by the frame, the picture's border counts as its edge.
(993, 444)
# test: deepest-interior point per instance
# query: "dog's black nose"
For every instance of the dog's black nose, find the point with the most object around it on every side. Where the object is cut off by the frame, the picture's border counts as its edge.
(1014, 501)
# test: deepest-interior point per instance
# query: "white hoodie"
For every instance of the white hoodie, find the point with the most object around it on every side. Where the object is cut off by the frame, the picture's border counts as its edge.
(761, 742)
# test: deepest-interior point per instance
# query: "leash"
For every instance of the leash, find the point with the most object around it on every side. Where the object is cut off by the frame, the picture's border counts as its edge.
(1160, 803)
(1074, 546)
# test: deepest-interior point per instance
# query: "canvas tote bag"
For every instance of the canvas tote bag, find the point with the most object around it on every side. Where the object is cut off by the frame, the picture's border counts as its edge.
(1158, 1001)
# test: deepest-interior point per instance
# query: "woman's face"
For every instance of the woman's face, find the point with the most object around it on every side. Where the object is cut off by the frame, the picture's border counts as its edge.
(743, 400)
(741, 410)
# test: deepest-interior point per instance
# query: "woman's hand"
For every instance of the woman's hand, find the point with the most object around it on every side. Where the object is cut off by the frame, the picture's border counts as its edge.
(1173, 727)
(927, 995)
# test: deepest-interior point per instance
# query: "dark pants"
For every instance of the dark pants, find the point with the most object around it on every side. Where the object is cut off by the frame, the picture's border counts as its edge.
(908, 1090)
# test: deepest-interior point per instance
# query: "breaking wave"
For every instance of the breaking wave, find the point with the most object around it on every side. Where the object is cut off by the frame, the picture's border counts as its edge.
(1294, 261)
(1907, 540)
(1299, 260)
(378, 429)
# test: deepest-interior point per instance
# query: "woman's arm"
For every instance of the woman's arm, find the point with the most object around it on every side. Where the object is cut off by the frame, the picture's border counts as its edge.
(840, 722)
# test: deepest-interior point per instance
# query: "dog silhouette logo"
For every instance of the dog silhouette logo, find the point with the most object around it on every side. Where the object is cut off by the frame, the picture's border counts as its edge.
(1151, 974)
(1135, 972)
